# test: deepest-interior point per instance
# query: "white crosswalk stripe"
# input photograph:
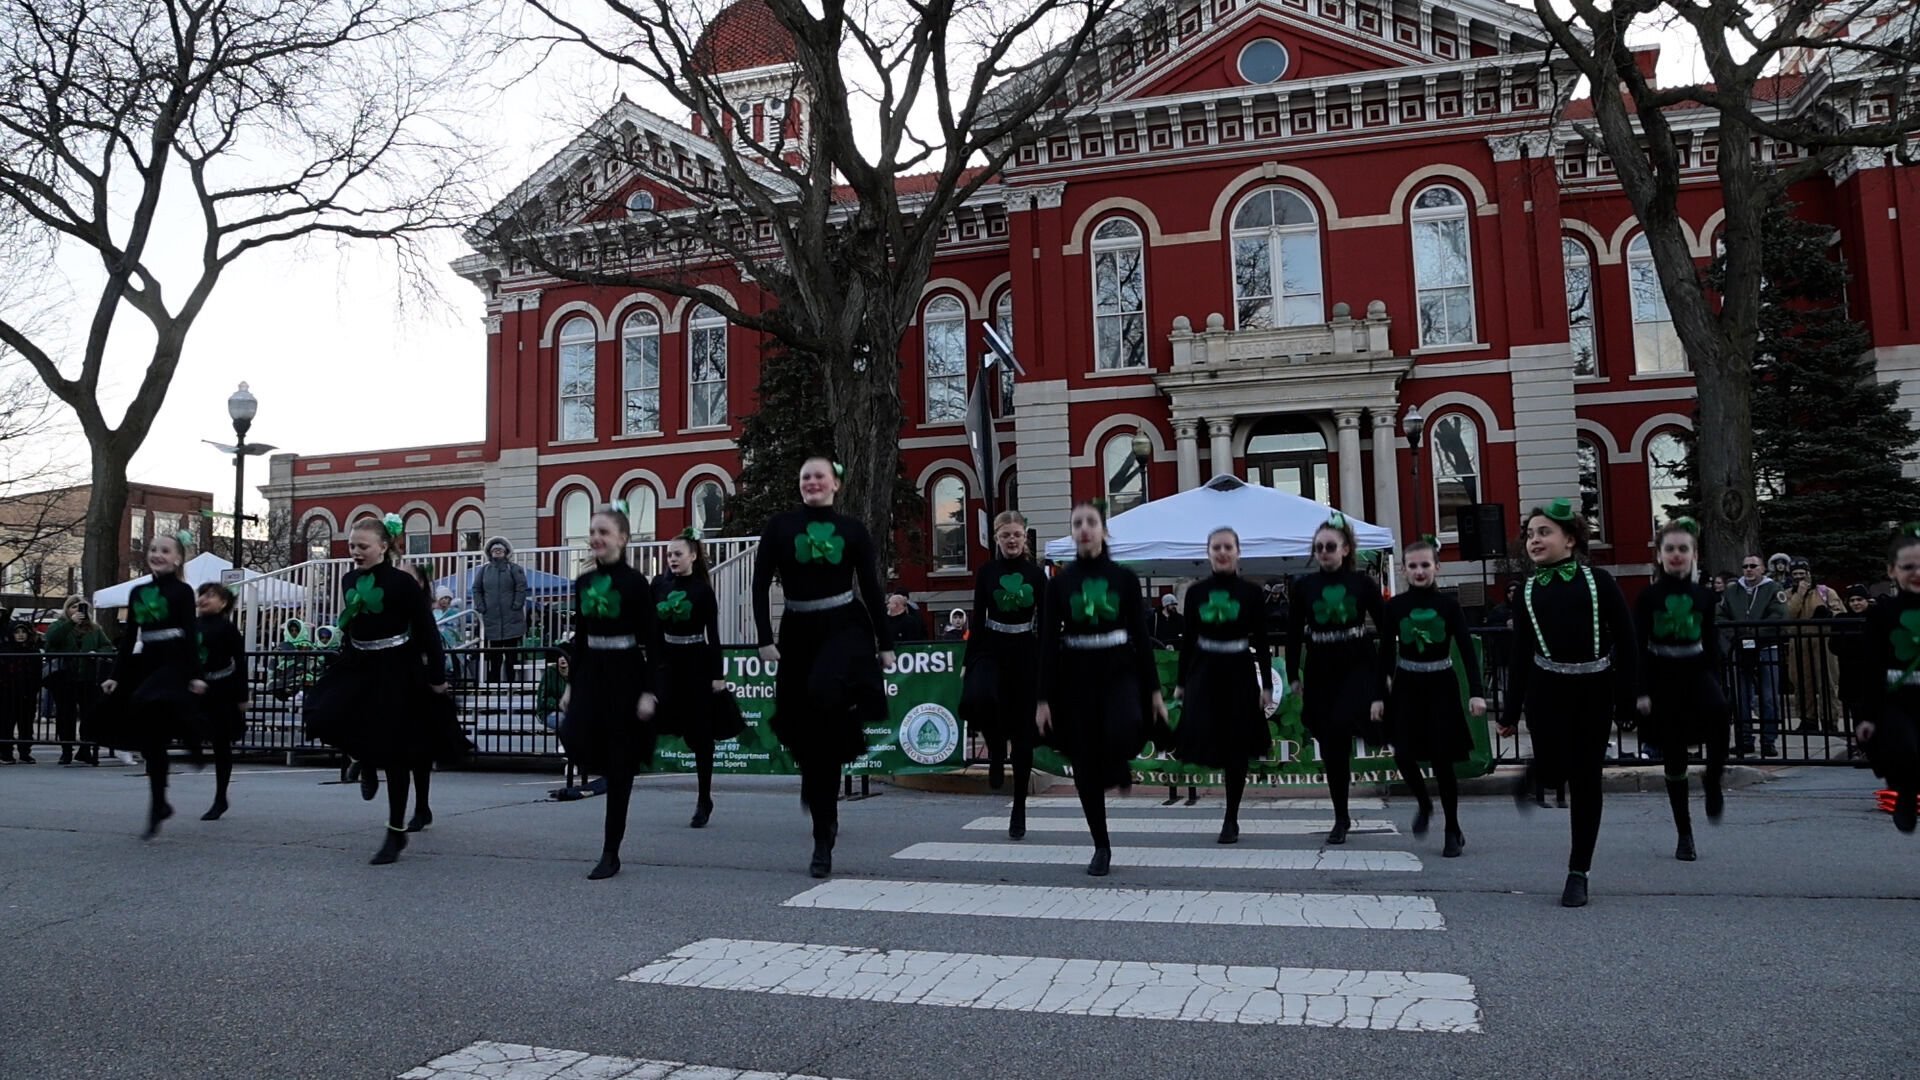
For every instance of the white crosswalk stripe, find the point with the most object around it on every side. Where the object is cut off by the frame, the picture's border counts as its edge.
(1190, 826)
(488, 1060)
(1208, 858)
(1207, 802)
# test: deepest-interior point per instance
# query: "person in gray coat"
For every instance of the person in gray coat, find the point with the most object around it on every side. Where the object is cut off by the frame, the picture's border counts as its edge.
(499, 596)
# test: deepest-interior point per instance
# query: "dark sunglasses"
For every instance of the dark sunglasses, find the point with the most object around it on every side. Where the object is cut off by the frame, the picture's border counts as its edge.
(1751, 566)
(1326, 545)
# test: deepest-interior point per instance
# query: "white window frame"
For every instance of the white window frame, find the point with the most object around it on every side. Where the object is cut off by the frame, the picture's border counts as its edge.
(711, 327)
(1597, 516)
(639, 202)
(1583, 330)
(643, 511)
(1659, 512)
(317, 535)
(1114, 325)
(1432, 218)
(1274, 236)
(947, 528)
(943, 331)
(1120, 500)
(1445, 527)
(706, 529)
(577, 502)
(461, 521)
(1003, 322)
(417, 527)
(577, 341)
(1656, 343)
(639, 350)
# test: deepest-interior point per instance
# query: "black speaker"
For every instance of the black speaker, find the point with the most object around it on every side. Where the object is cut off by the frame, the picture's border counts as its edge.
(1483, 531)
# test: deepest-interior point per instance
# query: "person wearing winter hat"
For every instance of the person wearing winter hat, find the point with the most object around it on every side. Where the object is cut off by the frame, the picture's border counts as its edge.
(500, 599)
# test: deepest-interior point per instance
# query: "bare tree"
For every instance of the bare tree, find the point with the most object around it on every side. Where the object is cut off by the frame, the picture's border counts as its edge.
(39, 510)
(805, 197)
(168, 139)
(1831, 79)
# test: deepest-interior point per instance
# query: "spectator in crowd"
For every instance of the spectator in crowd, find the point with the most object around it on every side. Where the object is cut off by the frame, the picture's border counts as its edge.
(79, 640)
(1755, 598)
(553, 685)
(19, 692)
(1167, 623)
(956, 625)
(500, 599)
(903, 620)
(1847, 645)
(1811, 670)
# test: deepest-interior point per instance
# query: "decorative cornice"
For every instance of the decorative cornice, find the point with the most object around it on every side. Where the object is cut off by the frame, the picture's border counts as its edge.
(1049, 196)
(1533, 144)
(1859, 159)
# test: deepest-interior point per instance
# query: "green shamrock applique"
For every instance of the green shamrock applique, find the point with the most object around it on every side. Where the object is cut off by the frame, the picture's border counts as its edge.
(676, 607)
(1013, 595)
(1093, 602)
(1906, 639)
(1679, 622)
(1220, 607)
(820, 544)
(149, 607)
(1334, 606)
(599, 600)
(365, 598)
(1423, 627)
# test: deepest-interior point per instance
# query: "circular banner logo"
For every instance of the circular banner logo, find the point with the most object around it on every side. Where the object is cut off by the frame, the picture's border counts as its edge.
(929, 734)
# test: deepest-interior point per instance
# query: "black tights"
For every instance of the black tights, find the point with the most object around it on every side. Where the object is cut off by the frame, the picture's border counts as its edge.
(222, 770)
(1093, 801)
(399, 780)
(1022, 763)
(1338, 762)
(1673, 761)
(156, 780)
(619, 797)
(1236, 787)
(703, 766)
(820, 793)
(1443, 778)
(1583, 790)
(422, 783)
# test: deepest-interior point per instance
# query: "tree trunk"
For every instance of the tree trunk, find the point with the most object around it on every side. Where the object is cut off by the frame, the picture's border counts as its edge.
(866, 414)
(1723, 460)
(106, 511)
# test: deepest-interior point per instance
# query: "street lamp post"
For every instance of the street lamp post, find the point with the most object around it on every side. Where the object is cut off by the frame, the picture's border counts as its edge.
(242, 406)
(1142, 454)
(1413, 425)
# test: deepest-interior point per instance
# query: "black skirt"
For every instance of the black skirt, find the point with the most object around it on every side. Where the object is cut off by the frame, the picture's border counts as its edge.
(1221, 722)
(1337, 694)
(1424, 718)
(1688, 707)
(376, 708)
(602, 731)
(999, 692)
(827, 688)
(1570, 718)
(689, 705)
(1101, 718)
(150, 709)
(1894, 750)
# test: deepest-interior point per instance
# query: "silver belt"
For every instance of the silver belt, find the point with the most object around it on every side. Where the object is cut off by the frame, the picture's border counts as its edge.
(1423, 667)
(1224, 648)
(1589, 667)
(999, 627)
(232, 665)
(609, 642)
(171, 633)
(684, 639)
(1675, 652)
(1108, 640)
(1897, 677)
(1334, 637)
(828, 604)
(378, 644)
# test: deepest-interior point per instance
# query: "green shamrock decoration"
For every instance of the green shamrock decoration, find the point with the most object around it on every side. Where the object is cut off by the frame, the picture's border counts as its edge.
(598, 600)
(1014, 594)
(1423, 627)
(820, 544)
(1220, 607)
(1679, 622)
(149, 607)
(1334, 606)
(1093, 603)
(676, 607)
(365, 598)
(1906, 639)
(1564, 571)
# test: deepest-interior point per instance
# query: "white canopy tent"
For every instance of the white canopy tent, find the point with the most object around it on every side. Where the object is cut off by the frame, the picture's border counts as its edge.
(254, 589)
(1167, 538)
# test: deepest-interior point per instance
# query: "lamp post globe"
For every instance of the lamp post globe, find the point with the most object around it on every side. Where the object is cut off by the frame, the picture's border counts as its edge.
(241, 407)
(1142, 447)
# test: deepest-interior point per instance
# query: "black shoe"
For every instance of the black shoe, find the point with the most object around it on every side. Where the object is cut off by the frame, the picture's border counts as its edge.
(219, 808)
(1230, 832)
(1193, 796)
(608, 866)
(390, 848)
(1173, 799)
(701, 813)
(1102, 862)
(996, 775)
(1423, 819)
(822, 864)
(28, 759)
(1684, 849)
(1560, 800)
(1769, 751)
(90, 757)
(1525, 795)
(1716, 799)
(420, 820)
(1017, 825)
(67, 759)
(1339, 833)
(1904, 813)
(1575, 894)
(1456, 841)
(369, 784)
(162, 812)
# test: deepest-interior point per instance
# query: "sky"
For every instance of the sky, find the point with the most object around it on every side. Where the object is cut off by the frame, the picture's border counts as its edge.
(341, 353)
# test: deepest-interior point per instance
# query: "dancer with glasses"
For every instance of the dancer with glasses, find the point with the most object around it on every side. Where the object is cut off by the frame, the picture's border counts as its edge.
(1680, 676)
(1328, 623)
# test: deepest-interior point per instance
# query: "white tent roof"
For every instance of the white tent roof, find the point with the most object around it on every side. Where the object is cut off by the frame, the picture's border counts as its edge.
(1168, 537)
(207, 567)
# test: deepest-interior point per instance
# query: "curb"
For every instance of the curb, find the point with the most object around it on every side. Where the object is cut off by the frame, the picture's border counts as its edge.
(1626, 779)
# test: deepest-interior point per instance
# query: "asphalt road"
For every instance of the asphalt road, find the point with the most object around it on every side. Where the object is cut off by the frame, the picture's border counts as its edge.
(264, 946)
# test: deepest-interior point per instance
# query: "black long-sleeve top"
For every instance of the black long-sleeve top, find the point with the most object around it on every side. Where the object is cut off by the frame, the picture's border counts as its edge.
(1422, 625)
(1330, 603)
(612, 600)
(158, 609)
(686, 608)
(1555, 619)
(1226, 607)
(1008, 592)
(220, 649)
(817, 554)
(1090, 596)
(386, 602)
(1674, 615)
(1890, 656)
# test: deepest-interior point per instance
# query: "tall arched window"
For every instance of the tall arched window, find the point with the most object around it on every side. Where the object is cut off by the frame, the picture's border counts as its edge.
(947, 500)
(419, 532)
(1580, 329)
(468, 528)
(1592, 495)
(318, 538)
(576, 518)
(1119, 296)
(709, 508)
(943, 329)
(1442, 268)
(1122, 475)
(707, 368)
(643, 511)
(1666, 467)
(1003, 322)
(640, 373)
(576, 379)
(1656, 345)
(1456, 469)
(1276, 262)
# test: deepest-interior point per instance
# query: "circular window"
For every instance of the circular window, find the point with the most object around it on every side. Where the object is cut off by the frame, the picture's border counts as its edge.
(639, 202)
(1263, 61)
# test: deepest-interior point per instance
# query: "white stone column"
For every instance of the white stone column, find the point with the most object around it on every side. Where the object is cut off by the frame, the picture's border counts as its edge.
(1386, 476)
(1186, 437)
(1352, 490)
(1220, 435)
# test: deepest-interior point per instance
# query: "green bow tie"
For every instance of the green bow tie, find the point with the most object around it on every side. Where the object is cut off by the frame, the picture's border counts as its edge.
(1014, 594)
(149, 606)
(1424, 627)
(1093, 602)
(1220, 607)
(365, 598)
(1679, 622)
(1334, 605)
(599, 600)
(1566, 571)
(676, 607)
(820, 544)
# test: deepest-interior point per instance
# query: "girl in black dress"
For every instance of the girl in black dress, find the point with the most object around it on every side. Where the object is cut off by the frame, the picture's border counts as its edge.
(1000, 668)
(689, 668)
(224, 705)
(1680, 676)
(1422, 637)
(383, 701)
(831, 650)
(1096, 673)
(1573, 673)
(608, 708)
(1328, 622)
(153, 695)
(1223, 718)
(1889, 728)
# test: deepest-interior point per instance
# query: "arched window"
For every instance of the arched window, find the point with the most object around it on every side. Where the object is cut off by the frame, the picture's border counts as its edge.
(1119, 296)
(1123, 476)
(1656, 345)
(640, 373)
(1456, 469)
(1592, 495)
(318, 539)
(1276, 262)
(1442, 268)
(643, 511)
(1580, 328)
(418, 529)
(1666, 468)
(709, 508)
(1003, 322)
(639, 203)
(576, 517)
(947, 500)
(943, 329)
(707, 368)
(468, 527)
(576, 379)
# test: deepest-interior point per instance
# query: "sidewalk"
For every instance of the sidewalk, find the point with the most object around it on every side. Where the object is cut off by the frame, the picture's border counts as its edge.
(1625, 778)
